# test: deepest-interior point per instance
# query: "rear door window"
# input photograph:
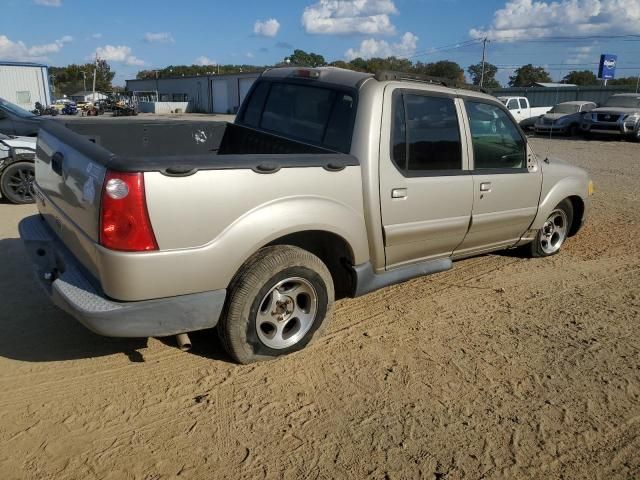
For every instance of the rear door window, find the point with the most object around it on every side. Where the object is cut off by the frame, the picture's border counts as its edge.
(426, 135)
(523, 103)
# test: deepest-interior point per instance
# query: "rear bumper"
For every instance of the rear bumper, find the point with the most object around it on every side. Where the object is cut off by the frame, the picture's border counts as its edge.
(73, 290)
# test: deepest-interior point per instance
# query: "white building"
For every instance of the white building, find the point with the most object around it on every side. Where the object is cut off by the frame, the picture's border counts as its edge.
(204, 93)
(25, 83)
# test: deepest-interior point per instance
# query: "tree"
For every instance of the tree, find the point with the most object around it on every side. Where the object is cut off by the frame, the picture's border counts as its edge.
(195, 70)
(301, 58)
(73, 78)
(624, 81)
(527, 75)
(490, 72)
(583, 77)
(443, 68)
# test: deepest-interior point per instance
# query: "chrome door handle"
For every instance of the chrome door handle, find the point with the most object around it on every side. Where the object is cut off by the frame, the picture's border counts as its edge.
(399, 193)
(485, 187)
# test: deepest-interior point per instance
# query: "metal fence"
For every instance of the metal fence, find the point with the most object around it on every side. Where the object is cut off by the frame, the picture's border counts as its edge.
(545, 96)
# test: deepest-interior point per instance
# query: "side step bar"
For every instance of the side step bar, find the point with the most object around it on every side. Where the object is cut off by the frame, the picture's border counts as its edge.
(368, 281)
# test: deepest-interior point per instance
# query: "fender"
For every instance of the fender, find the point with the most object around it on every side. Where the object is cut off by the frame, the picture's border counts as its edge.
(564, 188)
(285, 216)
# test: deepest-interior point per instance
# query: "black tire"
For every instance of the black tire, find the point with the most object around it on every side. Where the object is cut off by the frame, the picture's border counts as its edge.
(637, 134)
(537, 248)
(16, 182)
(249, 291)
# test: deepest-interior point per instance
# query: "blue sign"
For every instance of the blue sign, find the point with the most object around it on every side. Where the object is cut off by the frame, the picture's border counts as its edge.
(607, 69)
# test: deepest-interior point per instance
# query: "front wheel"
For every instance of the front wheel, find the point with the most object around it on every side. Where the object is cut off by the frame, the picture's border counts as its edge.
(16, 182)
(279, 302)
(554, 232)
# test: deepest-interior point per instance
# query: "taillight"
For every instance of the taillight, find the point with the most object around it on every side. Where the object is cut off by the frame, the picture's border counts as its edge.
(124, 220)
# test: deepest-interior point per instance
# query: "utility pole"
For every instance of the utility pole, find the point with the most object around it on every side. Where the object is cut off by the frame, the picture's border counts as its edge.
(484, 55)
(95, 69)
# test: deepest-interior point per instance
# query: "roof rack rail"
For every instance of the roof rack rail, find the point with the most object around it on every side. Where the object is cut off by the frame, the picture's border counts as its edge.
(387, 75)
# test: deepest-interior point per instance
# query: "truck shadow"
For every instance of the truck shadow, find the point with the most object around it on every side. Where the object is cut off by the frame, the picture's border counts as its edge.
(32, 329)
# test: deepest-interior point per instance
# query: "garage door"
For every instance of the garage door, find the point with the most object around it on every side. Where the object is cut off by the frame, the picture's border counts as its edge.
(220, 96)
(245, 85)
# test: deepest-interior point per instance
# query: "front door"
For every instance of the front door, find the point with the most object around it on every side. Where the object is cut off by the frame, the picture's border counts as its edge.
(426, 190)
(506, 180)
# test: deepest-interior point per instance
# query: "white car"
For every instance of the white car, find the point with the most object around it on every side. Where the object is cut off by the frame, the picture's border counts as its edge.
(16, 168)
(522, 111)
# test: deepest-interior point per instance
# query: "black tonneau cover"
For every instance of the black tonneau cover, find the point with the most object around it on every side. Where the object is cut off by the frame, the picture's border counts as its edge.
(183, 147)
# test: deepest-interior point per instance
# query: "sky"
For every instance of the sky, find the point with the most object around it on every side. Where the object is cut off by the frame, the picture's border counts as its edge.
(561, 35)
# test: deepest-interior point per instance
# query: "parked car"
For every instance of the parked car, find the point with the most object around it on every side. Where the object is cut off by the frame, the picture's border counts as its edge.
(330, 183)
(565, 118)
(15, 120)
(522, 111)
(16, 168)
(620, 115)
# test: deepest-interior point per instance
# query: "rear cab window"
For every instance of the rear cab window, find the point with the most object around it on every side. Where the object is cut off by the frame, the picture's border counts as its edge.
(306, 111)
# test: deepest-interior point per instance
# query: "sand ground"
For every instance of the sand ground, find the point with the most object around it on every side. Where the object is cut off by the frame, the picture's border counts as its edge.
(500, 368)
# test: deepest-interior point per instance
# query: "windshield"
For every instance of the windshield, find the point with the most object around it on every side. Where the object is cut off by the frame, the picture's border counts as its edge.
(15, 109)
(565, 109)
(624, 102)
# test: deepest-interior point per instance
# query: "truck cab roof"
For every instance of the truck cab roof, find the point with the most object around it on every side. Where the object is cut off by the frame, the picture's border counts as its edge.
(356, 80)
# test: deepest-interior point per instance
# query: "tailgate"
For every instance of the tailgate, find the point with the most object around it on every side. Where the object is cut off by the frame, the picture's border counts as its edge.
(69, 177)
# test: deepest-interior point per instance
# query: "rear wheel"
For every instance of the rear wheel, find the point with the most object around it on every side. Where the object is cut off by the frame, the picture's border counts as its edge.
(554, 232)
(16, 182)
(279, 302)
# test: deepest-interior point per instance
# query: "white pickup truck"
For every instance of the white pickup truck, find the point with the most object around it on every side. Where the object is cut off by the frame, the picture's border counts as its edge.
(522, 111)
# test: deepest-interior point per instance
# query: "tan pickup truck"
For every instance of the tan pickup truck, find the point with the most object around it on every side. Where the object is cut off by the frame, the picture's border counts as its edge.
(330, 183)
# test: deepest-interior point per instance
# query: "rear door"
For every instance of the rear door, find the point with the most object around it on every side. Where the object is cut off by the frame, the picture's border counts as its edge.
(506, 180)
(426, 191)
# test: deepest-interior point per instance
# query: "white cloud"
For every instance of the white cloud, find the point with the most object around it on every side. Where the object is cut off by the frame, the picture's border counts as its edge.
(379, 48)
(369, 17)
(205, 61)
(249, 55)
(268, 28)
(581, 55)
(96, 35)
(520, 19)
(159, 37)
(19, 51)
(48, 3)
(120, 54)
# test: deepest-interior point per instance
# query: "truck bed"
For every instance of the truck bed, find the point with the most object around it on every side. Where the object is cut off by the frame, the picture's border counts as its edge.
(210, 188)
(176, 147)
